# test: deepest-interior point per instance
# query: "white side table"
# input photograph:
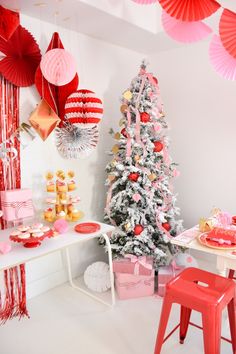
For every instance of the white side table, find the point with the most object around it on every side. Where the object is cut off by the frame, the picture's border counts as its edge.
(62, 243)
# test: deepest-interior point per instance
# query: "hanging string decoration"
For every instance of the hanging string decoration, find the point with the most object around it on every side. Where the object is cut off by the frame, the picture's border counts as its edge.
(13, 291)
(22, 57)
(55, 95)
(9, 21)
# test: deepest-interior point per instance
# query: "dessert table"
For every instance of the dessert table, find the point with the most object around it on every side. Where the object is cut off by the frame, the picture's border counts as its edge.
(225, 259)
(19, 254)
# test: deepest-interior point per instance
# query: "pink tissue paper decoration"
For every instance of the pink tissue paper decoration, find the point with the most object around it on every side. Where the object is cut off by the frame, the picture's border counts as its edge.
(145, 2)
(186, 32)
(221, 60)
(5, 247)
(61, 226)
(58, 66)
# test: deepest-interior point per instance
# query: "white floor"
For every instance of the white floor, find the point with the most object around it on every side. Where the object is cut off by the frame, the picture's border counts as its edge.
(64, 321)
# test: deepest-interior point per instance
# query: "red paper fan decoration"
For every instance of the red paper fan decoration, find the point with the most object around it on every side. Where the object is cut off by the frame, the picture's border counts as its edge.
(55, 95)
(9, 21)
(83, 106)
(22, 57)
(227, 29)
(190, 10)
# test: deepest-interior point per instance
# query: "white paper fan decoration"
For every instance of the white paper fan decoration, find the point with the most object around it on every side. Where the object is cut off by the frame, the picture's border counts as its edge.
(222, 61)
(75, 141)
(97, 277)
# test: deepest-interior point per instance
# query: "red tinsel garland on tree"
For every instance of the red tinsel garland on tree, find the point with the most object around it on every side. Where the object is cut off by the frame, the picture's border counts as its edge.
(13, 296)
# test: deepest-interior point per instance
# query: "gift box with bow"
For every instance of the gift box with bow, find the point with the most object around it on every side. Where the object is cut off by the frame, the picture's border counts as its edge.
(129, 286)
(165, 274)
(133, 265)
(17, 204)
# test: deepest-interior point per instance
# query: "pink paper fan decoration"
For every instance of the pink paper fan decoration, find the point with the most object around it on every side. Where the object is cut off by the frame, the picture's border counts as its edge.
(58, 67)
(185, 32)
(222, 61)
(190, 10)
(227, 29)
(145, 2)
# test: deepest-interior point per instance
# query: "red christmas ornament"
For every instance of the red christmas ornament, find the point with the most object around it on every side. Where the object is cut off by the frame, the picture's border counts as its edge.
(158, 146)
(138, 229)
(133, 176)
(166, 226)
(124, 133)
(145, 117)
(155, 80)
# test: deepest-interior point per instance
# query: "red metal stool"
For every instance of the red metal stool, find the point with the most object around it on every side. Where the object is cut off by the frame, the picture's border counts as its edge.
(208, 293)
(231, 274)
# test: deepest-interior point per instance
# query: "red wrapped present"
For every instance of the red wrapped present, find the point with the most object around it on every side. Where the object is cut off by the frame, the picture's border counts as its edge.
(133, 265)
(165, 274)
(17, 204)
(129, 286)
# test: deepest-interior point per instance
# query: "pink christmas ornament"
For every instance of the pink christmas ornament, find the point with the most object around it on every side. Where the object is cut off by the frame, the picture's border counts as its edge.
(5, 247)
(221, 60)
(61, 226)
(145, 2)
(186, 32)
(58, 67)
(136, 197)
(176, 173)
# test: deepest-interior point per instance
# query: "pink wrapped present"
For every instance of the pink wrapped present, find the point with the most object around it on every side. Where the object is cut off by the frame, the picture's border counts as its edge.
(133, 265)
(165, 274)
(17, 204)
(129, 286)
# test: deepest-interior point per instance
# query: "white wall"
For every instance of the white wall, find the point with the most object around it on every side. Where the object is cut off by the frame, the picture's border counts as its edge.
(107, 70)
(201, 110)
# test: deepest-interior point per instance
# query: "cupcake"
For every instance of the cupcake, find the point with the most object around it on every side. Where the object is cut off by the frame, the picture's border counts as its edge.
(71, 185)
(48, 214)
(61, 215)
(51, 186)
(75, 215)
(61, 186)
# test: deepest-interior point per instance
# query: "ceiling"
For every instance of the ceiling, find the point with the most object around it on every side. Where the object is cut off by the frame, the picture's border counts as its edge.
(121, 22)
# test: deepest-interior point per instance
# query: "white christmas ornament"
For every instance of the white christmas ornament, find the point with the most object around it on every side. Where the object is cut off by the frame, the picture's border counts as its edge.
(97, 277)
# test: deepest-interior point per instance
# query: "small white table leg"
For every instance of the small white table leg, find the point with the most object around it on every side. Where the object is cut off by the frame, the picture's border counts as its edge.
(70, 278)
(221, 267)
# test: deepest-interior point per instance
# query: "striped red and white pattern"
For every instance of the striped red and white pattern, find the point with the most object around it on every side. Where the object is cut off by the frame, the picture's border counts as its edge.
(83, 106)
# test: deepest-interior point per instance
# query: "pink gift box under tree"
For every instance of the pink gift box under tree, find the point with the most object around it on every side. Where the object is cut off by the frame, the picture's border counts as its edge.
(129, 286)
(133, 265)
(165, 274)
(17, 204)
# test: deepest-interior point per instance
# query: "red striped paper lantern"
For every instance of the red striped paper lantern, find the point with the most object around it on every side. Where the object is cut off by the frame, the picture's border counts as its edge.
(83, 106)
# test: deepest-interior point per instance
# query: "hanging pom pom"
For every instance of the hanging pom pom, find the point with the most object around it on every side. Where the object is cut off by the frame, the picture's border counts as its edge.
(76, 141)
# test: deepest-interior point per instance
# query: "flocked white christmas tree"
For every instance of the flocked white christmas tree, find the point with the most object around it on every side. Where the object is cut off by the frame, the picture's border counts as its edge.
(140, 199)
